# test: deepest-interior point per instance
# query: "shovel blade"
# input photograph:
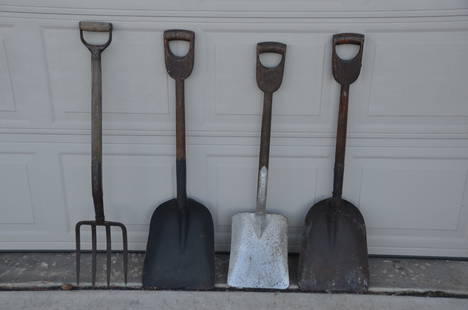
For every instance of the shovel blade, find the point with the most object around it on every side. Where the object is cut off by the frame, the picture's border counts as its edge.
(172, 262)
(334, 249)
(259, 262)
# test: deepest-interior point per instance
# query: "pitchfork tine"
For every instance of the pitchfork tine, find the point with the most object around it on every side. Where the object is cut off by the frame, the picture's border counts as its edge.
(77, 254)
(93, 249)
(125, 251)
(108, 254)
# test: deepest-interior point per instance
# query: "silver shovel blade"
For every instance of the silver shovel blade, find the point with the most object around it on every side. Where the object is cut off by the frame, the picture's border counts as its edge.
(259, 262)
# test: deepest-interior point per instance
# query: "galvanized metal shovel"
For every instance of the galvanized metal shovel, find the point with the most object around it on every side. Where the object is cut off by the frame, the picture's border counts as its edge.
(334, 249)
(259, 241)
(96, 159)
(180, 248)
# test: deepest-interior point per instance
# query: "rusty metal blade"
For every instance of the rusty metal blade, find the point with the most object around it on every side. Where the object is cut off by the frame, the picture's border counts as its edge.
(334, 250)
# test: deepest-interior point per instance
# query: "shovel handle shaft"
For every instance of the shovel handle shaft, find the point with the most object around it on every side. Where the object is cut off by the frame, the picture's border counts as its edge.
(266, 131)
(341, 142)
(181, 168)
(264, 157)
(180, 119)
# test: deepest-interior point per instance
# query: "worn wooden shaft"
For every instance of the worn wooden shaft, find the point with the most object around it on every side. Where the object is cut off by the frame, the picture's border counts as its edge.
(340, 143)
(266, 130)
(181, 169)
(96, 136)
(264, 153)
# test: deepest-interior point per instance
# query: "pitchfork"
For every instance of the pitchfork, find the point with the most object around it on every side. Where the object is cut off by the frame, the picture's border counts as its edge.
(96, 160)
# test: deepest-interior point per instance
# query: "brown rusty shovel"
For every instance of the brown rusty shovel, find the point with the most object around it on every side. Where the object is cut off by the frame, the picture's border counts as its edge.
(96, 159)
(334, 249)
(180, 248)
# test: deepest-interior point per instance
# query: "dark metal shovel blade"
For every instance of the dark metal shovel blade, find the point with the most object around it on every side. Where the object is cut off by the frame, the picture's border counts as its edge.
(169, 264)
(334, 249)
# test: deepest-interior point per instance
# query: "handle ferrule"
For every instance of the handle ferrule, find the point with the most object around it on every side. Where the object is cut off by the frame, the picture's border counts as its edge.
(260, 210)
(262, 191)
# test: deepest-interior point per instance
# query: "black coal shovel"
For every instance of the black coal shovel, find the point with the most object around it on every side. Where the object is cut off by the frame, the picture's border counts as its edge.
(334, 249)
(180, 248)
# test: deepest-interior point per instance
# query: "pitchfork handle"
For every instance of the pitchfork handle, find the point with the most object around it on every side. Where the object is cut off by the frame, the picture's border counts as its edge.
(96, 137)
(96, 113)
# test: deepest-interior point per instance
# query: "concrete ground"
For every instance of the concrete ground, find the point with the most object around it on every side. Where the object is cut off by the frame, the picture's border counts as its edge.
(47, 281)
(168, 300)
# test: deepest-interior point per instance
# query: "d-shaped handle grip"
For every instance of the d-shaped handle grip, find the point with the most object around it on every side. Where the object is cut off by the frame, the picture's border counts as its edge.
(95, 27)
(179, 67)
(346, 71)
(269, 79)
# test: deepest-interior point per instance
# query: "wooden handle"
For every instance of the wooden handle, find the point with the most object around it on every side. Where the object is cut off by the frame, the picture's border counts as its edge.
(179, 67)
(269, 79)
(95, 27)
(96, 114)
(347, 71)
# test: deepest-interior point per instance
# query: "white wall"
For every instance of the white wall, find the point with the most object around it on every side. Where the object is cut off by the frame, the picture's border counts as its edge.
(407, 160)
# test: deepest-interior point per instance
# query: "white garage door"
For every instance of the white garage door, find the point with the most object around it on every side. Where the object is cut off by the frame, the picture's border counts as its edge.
(407, 160)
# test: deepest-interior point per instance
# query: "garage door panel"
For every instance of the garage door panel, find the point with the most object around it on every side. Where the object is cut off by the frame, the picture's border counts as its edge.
(400, 198)
(414, 198)
(430, 63)
(131, 79)
(132, 185)
(15, 178)
(30, 191)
